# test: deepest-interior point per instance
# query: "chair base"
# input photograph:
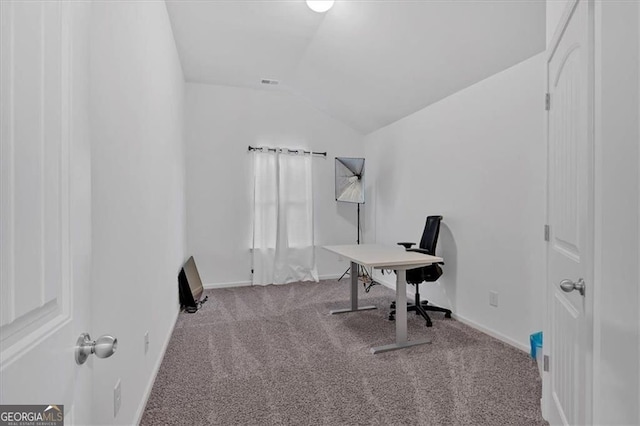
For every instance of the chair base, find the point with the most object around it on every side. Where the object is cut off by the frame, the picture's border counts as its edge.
(420, 309)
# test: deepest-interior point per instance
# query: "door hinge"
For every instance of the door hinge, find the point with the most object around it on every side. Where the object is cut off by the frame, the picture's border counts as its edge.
(546, 232)
(545, 363)
(547, 101)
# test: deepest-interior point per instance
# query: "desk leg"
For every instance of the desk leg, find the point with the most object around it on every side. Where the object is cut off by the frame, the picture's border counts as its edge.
(354, 294)
(401, 306)
(401, 318)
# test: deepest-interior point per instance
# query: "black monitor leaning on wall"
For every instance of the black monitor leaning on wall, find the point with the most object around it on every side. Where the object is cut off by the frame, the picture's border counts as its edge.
(190, 286)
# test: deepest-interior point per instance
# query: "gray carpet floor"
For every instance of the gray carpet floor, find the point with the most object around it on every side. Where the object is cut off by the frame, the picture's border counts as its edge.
(274, 356)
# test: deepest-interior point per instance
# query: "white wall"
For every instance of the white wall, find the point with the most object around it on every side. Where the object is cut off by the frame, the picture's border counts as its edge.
(478, 158)
(616, 293)
(137, 91)
(221, 122)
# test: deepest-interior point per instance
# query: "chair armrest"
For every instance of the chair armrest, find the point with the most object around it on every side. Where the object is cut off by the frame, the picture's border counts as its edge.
(407, 245)
(419, 250)
(423, 251)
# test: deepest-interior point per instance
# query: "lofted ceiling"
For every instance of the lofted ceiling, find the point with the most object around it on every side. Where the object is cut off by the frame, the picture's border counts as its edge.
(365, 63)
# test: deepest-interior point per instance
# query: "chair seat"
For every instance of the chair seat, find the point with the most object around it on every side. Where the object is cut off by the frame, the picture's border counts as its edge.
(429, 273)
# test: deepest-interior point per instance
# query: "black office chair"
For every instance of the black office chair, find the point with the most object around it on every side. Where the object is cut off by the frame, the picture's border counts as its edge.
(429, 273)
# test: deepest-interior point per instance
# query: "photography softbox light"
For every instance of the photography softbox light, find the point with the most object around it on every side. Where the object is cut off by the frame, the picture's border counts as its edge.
(350, 189)
(350, 180)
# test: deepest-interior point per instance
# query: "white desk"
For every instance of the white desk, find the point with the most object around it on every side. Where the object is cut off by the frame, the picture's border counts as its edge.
(385, 257)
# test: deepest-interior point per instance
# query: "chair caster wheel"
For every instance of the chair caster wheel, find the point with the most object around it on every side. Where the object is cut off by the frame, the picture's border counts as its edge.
(392, 317)
(447, 315)
(393, 305)
(429, 324)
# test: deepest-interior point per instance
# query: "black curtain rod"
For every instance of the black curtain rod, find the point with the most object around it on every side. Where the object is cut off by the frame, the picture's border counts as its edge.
(251, 148)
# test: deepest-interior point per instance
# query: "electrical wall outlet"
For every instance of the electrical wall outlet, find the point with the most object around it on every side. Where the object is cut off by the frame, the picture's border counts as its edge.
(146, 342)
(493, 298)
(117, 398)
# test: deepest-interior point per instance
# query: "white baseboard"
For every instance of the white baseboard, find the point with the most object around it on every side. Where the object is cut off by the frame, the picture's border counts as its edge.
(156, 368)
(226, 285)
(248, 283)
(330, 276)
(509, 341)
(466, 321)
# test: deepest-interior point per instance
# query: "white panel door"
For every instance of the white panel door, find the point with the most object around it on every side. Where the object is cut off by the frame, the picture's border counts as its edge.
(45, 205)
(570, 197)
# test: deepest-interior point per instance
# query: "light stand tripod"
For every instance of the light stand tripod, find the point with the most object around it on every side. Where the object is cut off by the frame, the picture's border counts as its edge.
(362, 271)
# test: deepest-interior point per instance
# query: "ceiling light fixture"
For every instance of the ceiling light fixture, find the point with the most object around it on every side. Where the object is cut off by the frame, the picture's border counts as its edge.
(320, 6)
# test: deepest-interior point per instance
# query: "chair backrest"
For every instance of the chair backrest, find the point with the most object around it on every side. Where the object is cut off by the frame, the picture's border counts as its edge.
(430, 234)
(428, 242)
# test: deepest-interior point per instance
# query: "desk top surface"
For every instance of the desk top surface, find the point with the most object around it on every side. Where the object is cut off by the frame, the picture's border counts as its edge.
(383, 256)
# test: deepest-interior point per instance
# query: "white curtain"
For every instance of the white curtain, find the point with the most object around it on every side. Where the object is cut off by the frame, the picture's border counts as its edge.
(283, 241)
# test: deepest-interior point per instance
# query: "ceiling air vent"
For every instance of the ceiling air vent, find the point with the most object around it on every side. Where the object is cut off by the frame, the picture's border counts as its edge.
(269, 81)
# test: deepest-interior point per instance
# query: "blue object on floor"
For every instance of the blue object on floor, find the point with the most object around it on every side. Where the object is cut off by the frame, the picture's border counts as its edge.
(536, 343)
